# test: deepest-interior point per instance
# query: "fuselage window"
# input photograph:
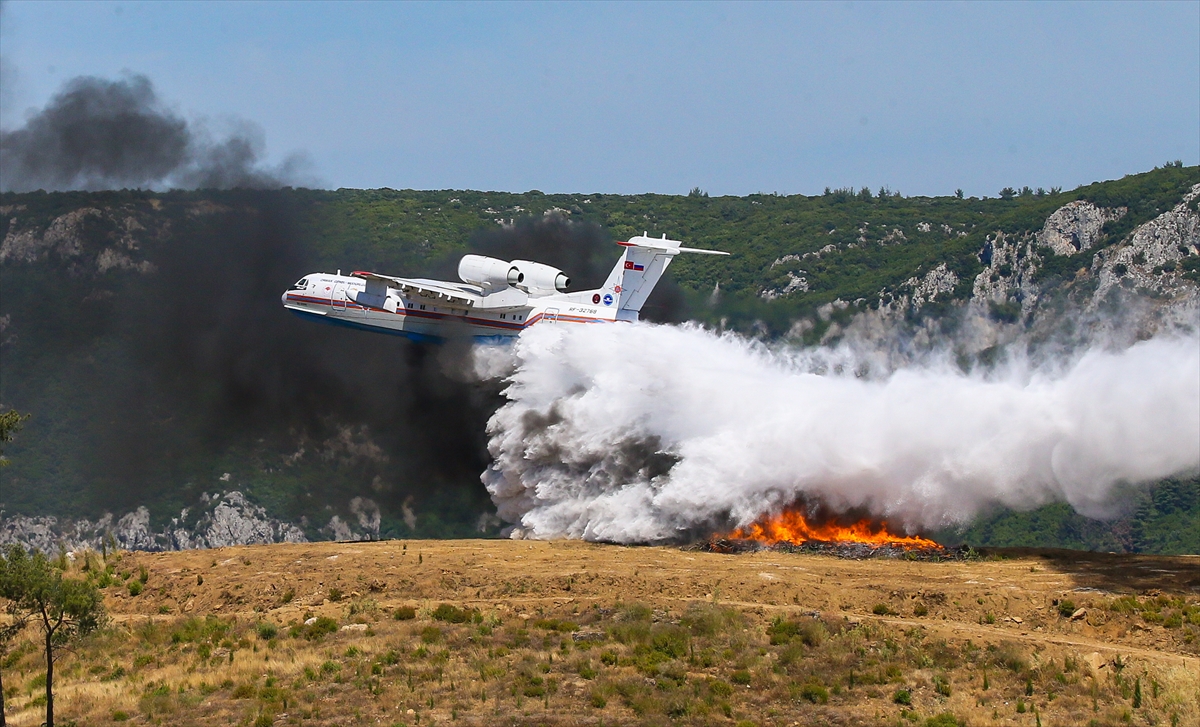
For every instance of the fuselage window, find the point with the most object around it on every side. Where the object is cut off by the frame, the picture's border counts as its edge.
(301, 285)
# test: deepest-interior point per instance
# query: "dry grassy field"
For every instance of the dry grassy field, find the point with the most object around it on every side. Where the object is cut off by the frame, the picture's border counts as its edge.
(556, 633)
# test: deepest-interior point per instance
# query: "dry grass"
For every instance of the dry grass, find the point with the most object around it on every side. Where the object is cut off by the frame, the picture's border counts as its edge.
(568, 633)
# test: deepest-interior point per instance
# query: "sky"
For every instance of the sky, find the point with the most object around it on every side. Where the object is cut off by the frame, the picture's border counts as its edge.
(734, 98)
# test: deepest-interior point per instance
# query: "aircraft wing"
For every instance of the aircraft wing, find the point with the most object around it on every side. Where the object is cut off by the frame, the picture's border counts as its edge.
(417, 288)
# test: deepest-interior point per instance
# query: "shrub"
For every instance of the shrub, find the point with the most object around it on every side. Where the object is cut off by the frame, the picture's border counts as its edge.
(741, 677)
(1066, 607)
(319, 628)
(405, 613)
(451, 614)
(671, 641)
(945, 719)
(267, 631)
(881, 609)
(782, 631)
(553, 624)
(707, 619)
(598, 700)
(431, 635)
(718, 688)
(335, 594)
(814, 693)
(135, 588)
(119, 715)
(244, 690)
(941, 685)
(608, 658)
(921, 610)
(902, 696)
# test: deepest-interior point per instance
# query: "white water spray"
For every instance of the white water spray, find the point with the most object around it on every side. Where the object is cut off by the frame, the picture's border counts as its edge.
(644, 433)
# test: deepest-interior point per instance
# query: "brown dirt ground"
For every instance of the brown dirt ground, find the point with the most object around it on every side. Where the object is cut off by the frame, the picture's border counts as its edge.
(515, 581)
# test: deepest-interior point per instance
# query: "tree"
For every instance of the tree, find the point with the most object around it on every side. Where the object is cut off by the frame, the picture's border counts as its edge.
(12, 565)
(65, 608)
(10, 424)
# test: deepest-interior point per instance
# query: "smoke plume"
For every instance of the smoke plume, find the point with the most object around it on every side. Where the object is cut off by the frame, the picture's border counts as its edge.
(645, 433)
(101, 134)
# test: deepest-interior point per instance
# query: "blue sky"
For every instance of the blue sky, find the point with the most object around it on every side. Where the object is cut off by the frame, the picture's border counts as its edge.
(628, 98)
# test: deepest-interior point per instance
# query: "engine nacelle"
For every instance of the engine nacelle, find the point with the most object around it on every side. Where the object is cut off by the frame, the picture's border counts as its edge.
(488, 273)
(541, 279)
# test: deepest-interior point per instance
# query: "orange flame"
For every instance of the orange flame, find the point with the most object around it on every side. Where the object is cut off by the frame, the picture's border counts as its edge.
(790, 526)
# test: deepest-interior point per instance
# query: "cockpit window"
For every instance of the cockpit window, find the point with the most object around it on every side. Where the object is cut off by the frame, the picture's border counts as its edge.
(301, 285)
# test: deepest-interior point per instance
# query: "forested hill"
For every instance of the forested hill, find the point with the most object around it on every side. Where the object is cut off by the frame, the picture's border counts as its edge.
(143, 331)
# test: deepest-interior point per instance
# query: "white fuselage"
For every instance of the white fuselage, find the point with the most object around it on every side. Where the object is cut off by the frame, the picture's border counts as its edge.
(422, 314)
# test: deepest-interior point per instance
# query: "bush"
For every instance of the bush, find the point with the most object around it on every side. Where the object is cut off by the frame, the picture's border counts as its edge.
(814, 693)
(135, 588)
(945, 719)
(741, 677)
(881, 609)
(335, 594)
(718, 688)
(1066, 607)
(319, 628)
(598, 700)
(267, 631)
(405, 613)
(451, 614)
(119, 715)
(431, 635)
(902, 696)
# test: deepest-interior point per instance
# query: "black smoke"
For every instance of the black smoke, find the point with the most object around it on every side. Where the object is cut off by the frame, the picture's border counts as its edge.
(103, 134)
(147, 386)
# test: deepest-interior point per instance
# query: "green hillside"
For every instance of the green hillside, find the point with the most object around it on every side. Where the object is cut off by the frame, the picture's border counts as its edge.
(143, 332)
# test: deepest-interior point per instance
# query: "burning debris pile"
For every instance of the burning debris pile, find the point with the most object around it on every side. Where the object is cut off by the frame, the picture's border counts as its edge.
(792, 531)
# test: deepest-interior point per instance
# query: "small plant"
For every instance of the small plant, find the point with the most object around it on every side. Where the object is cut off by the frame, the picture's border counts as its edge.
(431, 635)
(1020, 706)
(335, 594)
(945, 719)
(1066, 607)
(267, 631)
(404, 613)
(451, 614)
(902, 696)
(1137, 693)
(119, 715)
(921, 610)
(135, 588)
(814, 693)
(1028, 686)
(199, 579)
(740, 677)
(598, 700)
(143, 574)
(881, 609)
(941, 685)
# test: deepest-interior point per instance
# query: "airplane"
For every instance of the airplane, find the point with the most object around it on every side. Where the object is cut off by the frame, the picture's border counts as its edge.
(495, 301)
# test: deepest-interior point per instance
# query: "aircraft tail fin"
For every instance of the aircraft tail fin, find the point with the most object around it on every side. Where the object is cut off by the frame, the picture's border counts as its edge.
(640, 267)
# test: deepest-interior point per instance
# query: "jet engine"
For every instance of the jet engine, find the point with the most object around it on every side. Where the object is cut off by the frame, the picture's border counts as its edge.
(540, 279)
(488, 272)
